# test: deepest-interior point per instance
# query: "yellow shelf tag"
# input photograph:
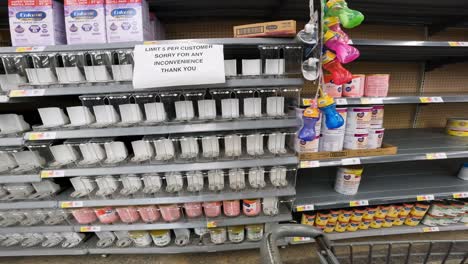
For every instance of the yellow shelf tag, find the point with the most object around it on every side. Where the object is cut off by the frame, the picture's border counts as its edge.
(359, 203)
(211, 224)
(431, 229)
(90, 229)
(427, 197)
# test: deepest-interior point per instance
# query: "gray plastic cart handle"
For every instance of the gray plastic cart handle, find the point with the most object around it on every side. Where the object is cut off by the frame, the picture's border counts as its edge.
(269, 249)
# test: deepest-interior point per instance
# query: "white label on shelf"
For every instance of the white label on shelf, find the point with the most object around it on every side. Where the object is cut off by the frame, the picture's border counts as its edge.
(301, 239)
(351, 161)
(431, 229)
(458, 44)
(425, 197)
(341, 101)
(71, 204)
(27, 93)
(438, 155)
(30, 49)
(52, 173)
(306, 207)
(359, 203)
(434, 99)
(41, 135)
(90, 229)
(367, 100)
(460, 195)
(4, 98)
(309, 164)
(177, 65)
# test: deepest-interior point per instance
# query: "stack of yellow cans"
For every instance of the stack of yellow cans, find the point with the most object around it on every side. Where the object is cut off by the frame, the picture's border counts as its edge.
(457, 127)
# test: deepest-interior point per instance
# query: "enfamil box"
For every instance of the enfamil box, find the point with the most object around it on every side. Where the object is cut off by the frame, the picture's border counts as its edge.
(85, 21)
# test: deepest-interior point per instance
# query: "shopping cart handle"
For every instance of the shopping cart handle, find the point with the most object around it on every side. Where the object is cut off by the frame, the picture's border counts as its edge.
(269, 249)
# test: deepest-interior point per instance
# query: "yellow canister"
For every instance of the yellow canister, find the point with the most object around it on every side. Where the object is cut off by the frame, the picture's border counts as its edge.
(412, 220)
(393, 211)
(352, 226)
(377, 222)
(334, 214)
(382, 211)
(322, 218)
(400, 220)
(458, 123)
(345, 216)
(330, 227)
(406, 209)
(388, 221)
(341, 226)
(365, 223)
(357, 215)
(370, 213)
(456, 132)
(322, 227)
(308, 219)
(419, 209)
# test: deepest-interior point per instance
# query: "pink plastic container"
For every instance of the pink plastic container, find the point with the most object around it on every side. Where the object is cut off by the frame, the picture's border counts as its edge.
(170, 213)
(332, 89)
(84, 215)
(212, 209)
(128, 214)
(106, 215)
(355, 88)
(231, 208)
(193, 210)
(149, 214)
(251, 207)
(377, 85)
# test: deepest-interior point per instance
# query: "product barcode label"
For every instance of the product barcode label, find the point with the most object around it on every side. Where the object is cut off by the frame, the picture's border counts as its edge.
(309, 164)
(359, 203)
(27, 93)
(90, 229)
(460, 195)
(30, 49)
(426, 197)
(71, 204)
(436, 99)
(301, 239)
(52, 173)
(306, 207)
(41, 135)
(351, 161)
(341, 101)
(366, 100)
(439, 155)
(431, 229)
(211, 224)
(4, 98)
(250, 30)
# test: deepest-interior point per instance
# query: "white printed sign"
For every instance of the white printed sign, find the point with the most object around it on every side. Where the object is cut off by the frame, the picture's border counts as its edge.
(177, 65)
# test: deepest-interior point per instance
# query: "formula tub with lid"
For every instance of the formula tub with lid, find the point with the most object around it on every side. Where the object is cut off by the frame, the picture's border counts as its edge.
(322, 218)
(345, 216)
(236, 234)
(348, 179)
(370, 213)
(388, 222)
(419, 209)
(358, 117)
(375, 138)
(382, 211)
(377, 116)
(254, 232)
(356, 140)
(331, 142)
(413, 220)
(308, 219)
(334, 214)
(406, 209)
(329, 227)
(341, 226)
(392, 211)
(357, 215)
(365, 223)
(161, 238)
(400, 220)
(377, 222)
(352, 226)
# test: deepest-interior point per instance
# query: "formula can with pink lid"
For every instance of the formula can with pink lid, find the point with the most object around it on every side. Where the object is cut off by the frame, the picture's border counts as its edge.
(358, 118)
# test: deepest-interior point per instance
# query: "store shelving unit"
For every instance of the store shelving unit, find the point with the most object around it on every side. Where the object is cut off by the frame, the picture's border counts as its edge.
(21, 252)
(28, 205)
(413, 144)
(11, 141)
(391, 100)
(20, 178)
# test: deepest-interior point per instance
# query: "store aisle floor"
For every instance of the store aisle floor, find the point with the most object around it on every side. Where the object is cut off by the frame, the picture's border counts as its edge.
(297, 254)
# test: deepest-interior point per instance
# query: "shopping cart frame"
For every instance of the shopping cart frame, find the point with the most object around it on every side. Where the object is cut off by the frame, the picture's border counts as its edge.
(327, 251)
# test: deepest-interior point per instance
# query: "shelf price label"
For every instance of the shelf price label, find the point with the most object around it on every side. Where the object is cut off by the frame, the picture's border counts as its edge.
(307, 101)
(431, 229)
(341, 101)
(41, 135)
(301, 239)
(366, 100)
(309, 164)
(359, 203)
(351, 161)
(458, 44)
(4, 98)
(435, 99)
(306, 207)
(52, 174)
(71, 204)
(211, 224)
(460, 195)
(438, 155)
(30, 49)
(27, 93)
(426, 197)
(90, 229)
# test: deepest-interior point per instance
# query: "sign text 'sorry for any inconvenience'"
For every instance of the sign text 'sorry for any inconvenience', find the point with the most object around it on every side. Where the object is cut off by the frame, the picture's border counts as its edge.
(177, 65)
